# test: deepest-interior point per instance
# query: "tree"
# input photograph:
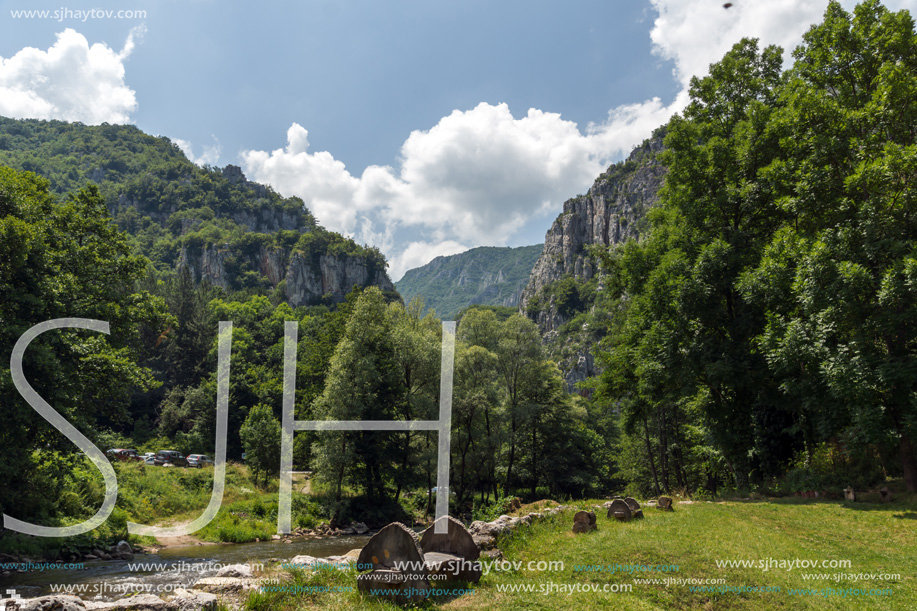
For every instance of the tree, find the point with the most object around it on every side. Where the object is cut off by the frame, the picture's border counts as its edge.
(362, 384)
(839, 278)
(261, 439)
(57, 260)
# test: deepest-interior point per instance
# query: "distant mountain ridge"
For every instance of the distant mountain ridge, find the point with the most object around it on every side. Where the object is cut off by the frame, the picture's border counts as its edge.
(487, 275)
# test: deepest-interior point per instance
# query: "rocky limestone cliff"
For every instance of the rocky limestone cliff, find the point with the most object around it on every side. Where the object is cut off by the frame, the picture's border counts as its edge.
(306, 281)
(611, 212)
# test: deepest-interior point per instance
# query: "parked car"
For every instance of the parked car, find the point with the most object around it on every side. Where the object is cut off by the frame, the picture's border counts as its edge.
(169, 457)
(149, 459)
(199, 460)
(123, 454)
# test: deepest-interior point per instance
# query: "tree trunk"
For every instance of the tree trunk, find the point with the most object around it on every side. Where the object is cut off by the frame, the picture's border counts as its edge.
(663, 448)
(512, 453)
(534, 459)
(908, 462)
(649, 453)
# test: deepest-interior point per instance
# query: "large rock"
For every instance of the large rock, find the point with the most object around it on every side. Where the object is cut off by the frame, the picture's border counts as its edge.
(391, 546)
(235, 570)
(584, 521)
(122, 550)
(308, 280)
(224, 585)
(56, 602)
(619, 510)
(139, 602)
(452, 554)
(194, 600)
(634, 506)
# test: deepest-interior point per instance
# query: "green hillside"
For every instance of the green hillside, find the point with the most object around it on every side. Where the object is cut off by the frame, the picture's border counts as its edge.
(168, 205)
(487, 275)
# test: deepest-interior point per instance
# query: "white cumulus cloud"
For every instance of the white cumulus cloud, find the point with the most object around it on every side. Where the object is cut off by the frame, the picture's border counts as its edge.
(477, 176)
(209, 156)
(71, 81)
(474, 178)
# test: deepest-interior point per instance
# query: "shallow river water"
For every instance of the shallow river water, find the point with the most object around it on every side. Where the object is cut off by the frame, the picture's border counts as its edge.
(170, 568)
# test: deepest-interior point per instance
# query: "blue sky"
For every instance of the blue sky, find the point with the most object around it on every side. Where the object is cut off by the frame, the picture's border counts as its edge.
(422, 127)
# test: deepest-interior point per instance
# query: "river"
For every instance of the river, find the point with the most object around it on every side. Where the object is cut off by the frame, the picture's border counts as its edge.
(175, 567)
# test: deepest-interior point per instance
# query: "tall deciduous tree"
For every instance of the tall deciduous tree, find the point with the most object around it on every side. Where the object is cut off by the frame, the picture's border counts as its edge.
(62, 260)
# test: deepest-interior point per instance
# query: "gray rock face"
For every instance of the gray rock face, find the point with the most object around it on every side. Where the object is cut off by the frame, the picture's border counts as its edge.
(611, 212)
(307, 281)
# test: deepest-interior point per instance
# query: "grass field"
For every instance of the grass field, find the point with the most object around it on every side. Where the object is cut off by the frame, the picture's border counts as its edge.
(875, 539)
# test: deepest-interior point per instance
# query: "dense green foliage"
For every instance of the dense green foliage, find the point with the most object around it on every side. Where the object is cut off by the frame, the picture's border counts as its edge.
(167, 205)
(761, 333)
(508, 408)
(770, 312)
(59, 260)
(487, 276)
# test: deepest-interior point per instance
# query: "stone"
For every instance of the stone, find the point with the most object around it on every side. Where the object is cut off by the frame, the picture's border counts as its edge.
(55, 602)
(634, 507)
(849, 494)
(664, 503)
(393, 544)
(303, 561)
(453, 553)
(138, 602)
(484, 541)
(194, 600)
(584, 521)
(619, 511)
(122, 550)
(223, 585)
(609, 213)
(360, 528)
(235, 570)
(456, 540)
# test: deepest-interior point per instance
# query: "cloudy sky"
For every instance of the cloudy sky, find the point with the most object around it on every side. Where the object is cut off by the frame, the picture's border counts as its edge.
(422, 127)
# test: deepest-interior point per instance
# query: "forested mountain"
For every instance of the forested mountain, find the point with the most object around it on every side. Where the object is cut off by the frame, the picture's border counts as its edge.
(746, 283)
(488, 275)
(238, 234)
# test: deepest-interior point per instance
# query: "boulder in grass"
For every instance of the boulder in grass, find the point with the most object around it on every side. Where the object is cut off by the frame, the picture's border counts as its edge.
(395, 543)
(453, 553)
(584, 521)
(664, 503)
(619, 511)
(634, 506)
